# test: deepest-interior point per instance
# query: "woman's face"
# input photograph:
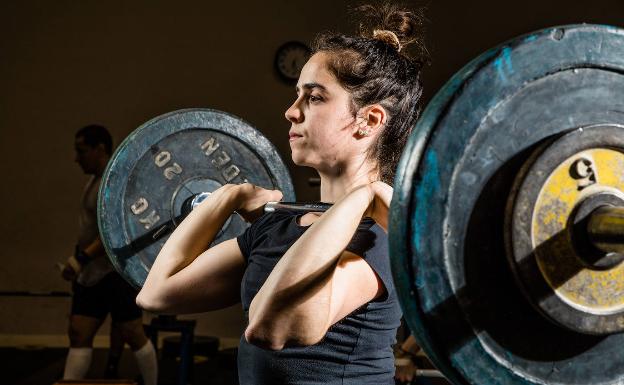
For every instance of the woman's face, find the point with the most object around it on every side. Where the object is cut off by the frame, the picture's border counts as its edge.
(322, 123)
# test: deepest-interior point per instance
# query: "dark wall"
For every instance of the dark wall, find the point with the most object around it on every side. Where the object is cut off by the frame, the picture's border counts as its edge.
(64, 64)
(461, 30)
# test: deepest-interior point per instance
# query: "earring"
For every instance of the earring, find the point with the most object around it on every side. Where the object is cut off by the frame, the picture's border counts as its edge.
(362, 132)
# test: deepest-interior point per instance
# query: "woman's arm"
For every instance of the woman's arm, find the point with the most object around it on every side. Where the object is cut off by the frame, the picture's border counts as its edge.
(187, 278)
(210, 282)
(316, 283)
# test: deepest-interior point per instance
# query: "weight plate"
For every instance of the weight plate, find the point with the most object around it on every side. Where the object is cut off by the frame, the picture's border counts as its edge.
(548, 251)
(166, 161)
(457, 290)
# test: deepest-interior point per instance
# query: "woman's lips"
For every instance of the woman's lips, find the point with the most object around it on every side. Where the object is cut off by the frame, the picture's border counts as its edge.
(292, 136)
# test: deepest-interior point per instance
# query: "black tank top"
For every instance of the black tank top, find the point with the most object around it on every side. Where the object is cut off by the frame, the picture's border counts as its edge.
(355, 350)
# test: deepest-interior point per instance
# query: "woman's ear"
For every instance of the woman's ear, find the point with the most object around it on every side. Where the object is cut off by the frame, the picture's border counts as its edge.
(373, 119)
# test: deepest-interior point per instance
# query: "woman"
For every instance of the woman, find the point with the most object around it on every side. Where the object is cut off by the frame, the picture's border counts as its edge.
(317, 289)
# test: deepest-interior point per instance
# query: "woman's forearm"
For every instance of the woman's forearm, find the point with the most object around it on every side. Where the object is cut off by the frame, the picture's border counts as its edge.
(293, 305)
(192, 236)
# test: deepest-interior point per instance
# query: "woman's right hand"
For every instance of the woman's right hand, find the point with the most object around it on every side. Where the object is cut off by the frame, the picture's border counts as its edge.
(250, 200)
(381, 196)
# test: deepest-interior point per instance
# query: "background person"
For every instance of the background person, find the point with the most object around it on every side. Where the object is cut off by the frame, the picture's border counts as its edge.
(97, 288)
(406, 362)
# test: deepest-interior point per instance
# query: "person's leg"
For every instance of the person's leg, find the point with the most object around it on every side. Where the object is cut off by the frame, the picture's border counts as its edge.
(115, 352)
(81, 331)
(87, 314)
(143, 349)
(129, 318)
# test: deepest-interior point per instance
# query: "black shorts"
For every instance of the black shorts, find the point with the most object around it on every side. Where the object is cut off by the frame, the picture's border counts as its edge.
(111, 295)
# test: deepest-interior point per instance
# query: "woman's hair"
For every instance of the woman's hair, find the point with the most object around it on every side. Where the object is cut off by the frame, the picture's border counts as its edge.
(375, 68)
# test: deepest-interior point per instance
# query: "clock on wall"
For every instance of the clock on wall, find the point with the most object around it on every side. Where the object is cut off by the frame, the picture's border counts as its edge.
(290, 58)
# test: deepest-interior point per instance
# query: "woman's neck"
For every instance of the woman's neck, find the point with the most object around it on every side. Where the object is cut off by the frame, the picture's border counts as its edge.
(336, 185)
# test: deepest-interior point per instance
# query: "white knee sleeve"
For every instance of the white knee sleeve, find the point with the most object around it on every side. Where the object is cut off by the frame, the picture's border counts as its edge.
(147, 363)
(78, 363)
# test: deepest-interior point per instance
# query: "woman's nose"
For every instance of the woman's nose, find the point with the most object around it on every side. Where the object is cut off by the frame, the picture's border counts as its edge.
(293, 114)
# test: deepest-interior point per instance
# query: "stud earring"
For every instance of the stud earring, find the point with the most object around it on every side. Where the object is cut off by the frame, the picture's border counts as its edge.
(362, 132)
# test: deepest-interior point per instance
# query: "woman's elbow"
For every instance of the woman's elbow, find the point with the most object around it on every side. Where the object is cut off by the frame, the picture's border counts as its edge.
(263, 339)
(150, 303)
(274, 338)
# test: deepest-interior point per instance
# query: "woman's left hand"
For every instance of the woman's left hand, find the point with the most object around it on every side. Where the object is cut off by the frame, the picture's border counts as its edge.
(380, 203)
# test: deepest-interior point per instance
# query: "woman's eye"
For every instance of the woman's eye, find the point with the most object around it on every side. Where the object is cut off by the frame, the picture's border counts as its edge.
(315, 98)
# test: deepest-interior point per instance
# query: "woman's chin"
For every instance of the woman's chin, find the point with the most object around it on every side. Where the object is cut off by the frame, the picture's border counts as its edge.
(298, 160)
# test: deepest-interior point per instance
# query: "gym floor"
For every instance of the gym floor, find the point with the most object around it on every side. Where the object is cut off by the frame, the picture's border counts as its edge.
(44, 366)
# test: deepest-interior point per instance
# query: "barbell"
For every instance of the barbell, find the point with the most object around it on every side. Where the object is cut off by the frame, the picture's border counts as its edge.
(506, 226)
(166, 163)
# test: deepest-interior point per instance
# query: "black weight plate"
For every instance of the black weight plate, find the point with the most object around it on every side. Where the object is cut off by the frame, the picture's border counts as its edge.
(447, 244)
(163, 163)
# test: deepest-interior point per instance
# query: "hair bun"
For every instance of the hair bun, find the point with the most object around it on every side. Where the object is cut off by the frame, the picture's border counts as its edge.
(388, 37)
(397, 26)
